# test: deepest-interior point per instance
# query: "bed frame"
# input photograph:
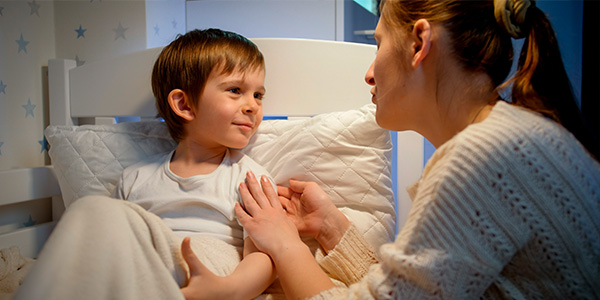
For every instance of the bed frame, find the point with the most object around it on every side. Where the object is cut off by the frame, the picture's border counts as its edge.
(303, 72)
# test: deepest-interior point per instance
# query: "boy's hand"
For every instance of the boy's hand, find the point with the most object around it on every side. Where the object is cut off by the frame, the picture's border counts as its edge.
(202, 283)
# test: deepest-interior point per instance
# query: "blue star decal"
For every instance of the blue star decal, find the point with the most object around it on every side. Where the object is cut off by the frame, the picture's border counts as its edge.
(79, 62)
(174, 24)
(80, 32)
(1, 143)
(22, 44)
(2, 87)
(120, 32)
(29, 108)
(29, 222)
(44, 144)
(34, 8)
(156, 29)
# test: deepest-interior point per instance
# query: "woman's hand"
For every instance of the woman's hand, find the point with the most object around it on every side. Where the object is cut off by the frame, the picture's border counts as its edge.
(307, 205)
(264, 218)
(202, 284)
(313, 212)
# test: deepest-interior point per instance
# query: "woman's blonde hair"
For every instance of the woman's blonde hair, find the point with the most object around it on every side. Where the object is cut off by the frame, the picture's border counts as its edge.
(481, 32)
(187, 62)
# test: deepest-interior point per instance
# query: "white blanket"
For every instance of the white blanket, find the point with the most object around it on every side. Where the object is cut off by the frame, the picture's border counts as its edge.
(112, 249)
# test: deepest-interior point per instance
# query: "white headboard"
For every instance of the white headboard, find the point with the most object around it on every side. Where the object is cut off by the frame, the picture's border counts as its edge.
(128, 77)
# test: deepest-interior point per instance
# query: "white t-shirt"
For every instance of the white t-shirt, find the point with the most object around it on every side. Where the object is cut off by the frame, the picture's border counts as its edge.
(197, 205)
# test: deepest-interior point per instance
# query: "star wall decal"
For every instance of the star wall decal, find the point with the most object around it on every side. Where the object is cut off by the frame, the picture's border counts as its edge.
(44, 144)
(1, 143)
(2, 87)
(156, 29)
(29, 222)
(79, 62)
(174, 24)
(29, 108)
(22, 44)
(80, 32)
(120, 32)
(34, 8)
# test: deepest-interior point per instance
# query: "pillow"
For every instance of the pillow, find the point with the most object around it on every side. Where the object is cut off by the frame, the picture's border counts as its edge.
(346, 152)
(89, 159)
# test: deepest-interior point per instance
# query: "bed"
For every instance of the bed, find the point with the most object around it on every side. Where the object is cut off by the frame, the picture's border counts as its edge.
(320, 127)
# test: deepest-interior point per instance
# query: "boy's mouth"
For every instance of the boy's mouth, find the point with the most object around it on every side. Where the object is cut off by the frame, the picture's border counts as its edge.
(245, 125)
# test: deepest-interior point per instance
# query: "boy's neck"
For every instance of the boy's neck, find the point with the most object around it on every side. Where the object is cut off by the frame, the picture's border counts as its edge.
(190, 160)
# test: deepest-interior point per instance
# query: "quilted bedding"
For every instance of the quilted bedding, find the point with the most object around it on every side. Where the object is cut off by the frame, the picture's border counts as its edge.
(346, 152)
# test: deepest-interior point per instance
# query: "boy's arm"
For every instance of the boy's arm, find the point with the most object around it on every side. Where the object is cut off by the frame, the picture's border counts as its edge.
(249, 279)
(253, 274)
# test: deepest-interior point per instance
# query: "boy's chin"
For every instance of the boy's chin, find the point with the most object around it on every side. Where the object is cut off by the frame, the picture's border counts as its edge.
(239, 145)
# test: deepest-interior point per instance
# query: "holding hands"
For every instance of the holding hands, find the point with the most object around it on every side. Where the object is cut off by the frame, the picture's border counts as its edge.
(313, 212)
(267, 216)
(274, 223)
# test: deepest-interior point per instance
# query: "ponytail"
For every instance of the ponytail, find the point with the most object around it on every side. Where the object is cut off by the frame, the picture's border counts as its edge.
(541, 83)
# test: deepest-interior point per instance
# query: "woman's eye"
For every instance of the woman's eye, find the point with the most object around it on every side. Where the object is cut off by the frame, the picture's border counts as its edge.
(235, 90)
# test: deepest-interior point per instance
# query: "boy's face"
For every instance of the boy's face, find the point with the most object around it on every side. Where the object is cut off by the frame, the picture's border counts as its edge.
(229, 110)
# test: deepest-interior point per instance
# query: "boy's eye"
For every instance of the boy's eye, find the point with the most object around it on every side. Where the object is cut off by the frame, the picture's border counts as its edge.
(258, 96)
(235, 90)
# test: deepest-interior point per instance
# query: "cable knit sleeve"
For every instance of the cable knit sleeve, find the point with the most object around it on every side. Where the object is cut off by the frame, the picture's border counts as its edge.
(350, 260)
(449, 248)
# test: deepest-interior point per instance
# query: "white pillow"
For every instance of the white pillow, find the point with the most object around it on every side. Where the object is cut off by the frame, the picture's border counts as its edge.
(89, 159)
(346, 152)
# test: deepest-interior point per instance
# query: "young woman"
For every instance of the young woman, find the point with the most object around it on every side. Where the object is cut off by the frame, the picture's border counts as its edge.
(507, 207)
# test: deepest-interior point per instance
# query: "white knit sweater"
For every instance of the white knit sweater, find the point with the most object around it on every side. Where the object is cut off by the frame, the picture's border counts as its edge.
(508, 208)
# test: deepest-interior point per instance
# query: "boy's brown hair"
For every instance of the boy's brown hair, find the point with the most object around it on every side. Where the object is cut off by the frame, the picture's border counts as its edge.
(187, 62)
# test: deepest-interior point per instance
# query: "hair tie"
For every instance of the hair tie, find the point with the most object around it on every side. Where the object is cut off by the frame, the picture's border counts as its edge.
(510, 14)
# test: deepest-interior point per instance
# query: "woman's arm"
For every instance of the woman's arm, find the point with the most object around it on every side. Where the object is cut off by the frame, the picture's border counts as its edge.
(274, 233)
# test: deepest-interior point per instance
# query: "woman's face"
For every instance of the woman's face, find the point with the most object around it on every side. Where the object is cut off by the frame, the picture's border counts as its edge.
(394, 81)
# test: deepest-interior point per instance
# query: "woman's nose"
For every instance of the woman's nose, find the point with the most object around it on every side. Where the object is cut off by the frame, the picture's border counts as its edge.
(369, 78)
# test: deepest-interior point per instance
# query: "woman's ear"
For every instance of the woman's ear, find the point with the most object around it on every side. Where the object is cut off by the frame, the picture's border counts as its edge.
(422, 41)
(180, 104)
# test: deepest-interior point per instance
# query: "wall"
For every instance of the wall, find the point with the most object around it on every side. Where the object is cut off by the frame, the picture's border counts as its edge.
(31, 32)
(266, 18)
(26, 43)
(565, 17)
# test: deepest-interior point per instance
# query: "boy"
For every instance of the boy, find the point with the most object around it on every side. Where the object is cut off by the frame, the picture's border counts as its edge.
(208, 86)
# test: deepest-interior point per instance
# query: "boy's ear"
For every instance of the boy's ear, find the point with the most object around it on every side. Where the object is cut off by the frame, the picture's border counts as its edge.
(180, 104)
(422, 41)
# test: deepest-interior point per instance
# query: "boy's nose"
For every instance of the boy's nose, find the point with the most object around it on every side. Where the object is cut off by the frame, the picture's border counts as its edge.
(251, 106)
